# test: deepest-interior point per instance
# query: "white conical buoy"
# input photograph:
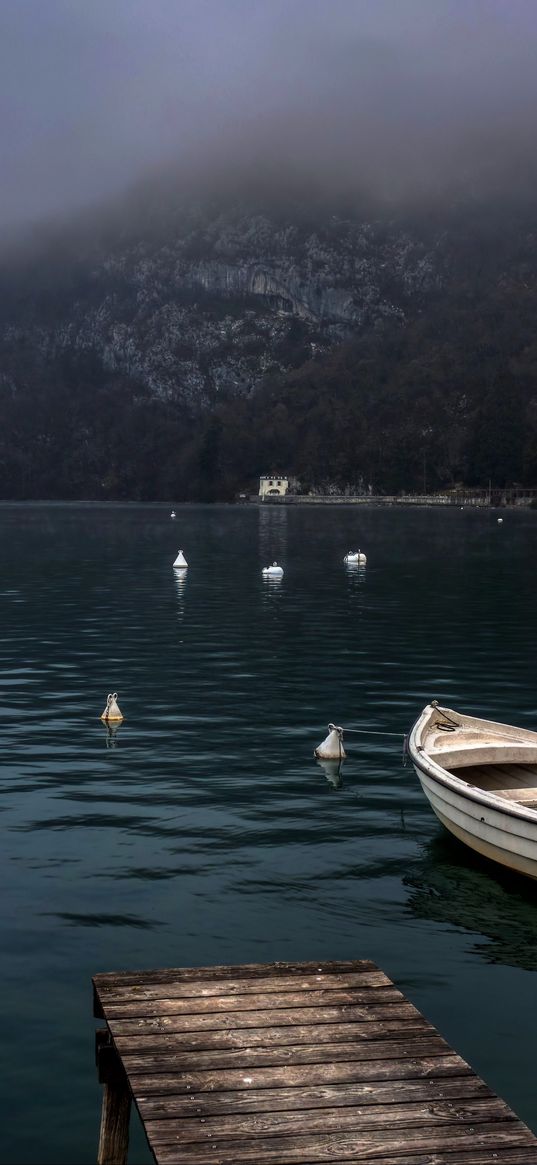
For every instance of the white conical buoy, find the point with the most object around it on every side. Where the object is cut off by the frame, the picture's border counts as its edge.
(332, 747)
(356, 556)
(274, 571)
(172, 515)
(180, 562)
(112, 710)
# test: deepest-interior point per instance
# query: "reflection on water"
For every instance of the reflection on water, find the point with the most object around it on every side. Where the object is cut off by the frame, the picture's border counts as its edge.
(450, 884)
(201, 830)
(111, 733)
(98, 920)
(180, 581)
(180, 577)
(332, 770)
(272, 533)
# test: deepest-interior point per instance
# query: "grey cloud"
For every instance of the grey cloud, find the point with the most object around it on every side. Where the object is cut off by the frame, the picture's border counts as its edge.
(399, 96)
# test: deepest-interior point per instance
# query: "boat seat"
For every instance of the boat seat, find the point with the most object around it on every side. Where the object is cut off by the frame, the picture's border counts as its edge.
(525, 795)
(482, 753)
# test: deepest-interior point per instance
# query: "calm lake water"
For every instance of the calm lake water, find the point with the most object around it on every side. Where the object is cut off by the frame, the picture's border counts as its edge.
(204, 831)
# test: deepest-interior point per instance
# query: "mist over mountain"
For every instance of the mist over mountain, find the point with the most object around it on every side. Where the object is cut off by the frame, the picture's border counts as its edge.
(402, 100)
(240, 235)
(181, 350)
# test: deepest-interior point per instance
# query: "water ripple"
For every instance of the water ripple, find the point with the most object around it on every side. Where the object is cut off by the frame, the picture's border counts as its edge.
(202, 829)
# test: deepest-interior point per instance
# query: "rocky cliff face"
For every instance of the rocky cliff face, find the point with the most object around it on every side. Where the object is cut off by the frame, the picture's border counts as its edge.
(211, 300)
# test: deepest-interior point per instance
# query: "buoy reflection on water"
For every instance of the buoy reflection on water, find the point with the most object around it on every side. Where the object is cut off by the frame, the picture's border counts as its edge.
(332, 771)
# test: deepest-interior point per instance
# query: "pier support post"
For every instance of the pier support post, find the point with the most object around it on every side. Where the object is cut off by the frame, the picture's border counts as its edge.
(116, 1108)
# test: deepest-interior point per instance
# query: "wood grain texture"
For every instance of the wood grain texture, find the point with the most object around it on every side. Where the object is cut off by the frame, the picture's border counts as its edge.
(297, 1064)
(268, 1057)
(325, 1096)
(132, 1038)
(169, 989)
(199, 1021)
(380, 1004)
(508, 1156)
(304, 1122)
(241, 971)
(352, 1146)
(114, 1132)
(292, 1076)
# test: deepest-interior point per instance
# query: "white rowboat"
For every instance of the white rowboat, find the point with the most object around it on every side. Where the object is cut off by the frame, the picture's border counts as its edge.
(480, 778)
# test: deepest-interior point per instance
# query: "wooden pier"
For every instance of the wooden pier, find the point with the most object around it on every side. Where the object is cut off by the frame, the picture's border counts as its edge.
(290, 1064)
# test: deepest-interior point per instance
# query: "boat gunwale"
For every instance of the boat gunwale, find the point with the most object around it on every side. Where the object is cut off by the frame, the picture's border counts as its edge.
(436, 772)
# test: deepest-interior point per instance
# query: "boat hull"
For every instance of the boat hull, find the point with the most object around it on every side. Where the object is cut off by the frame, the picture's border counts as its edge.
(500, 836)
(480, 778)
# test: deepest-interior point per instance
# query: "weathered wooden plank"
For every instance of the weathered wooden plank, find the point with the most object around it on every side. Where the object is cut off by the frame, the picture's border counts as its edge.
(346, 1013)
(206, 1104)
(114, 1131)
(356, 1147)
(153, 1031)
(239, 971)
(113, 992)
(526, 1155)
(296, 1064)
(217, 1059)
(289, 1076)
(304, 1122)
(370, 1001)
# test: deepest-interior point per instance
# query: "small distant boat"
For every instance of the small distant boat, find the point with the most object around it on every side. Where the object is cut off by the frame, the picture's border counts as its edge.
(356, 556)
(180, 562)
(273, 571)
(480, 778)
(173, 514)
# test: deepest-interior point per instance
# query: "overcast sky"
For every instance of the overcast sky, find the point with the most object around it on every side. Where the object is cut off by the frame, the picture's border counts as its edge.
(94, 93)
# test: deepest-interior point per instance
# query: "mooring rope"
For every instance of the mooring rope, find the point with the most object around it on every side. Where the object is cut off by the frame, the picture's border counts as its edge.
(372, 732)
(379, 732)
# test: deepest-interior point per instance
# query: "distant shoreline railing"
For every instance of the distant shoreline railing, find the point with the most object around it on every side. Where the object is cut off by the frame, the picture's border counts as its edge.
(495, 497)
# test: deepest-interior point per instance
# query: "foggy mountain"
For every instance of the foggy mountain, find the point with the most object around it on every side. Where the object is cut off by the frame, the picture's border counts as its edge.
(183, 345)
(229, 228)
(203, 297)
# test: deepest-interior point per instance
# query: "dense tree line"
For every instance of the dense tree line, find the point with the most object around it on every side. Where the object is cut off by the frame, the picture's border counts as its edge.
(446, 397)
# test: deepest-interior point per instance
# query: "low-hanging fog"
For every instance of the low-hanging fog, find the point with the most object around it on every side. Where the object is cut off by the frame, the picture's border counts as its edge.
(398, 97)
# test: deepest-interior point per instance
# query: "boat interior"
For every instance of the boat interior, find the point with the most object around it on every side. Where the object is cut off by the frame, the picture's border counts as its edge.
(514, 782)
(507, 769)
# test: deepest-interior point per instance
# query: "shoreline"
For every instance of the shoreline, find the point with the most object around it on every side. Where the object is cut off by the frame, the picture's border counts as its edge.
(526, 500)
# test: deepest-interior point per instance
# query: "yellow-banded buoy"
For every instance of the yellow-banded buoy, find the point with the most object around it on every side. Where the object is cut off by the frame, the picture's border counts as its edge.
(112, 710)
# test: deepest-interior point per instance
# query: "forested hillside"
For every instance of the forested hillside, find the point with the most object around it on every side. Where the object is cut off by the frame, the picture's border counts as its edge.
(183, 350)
